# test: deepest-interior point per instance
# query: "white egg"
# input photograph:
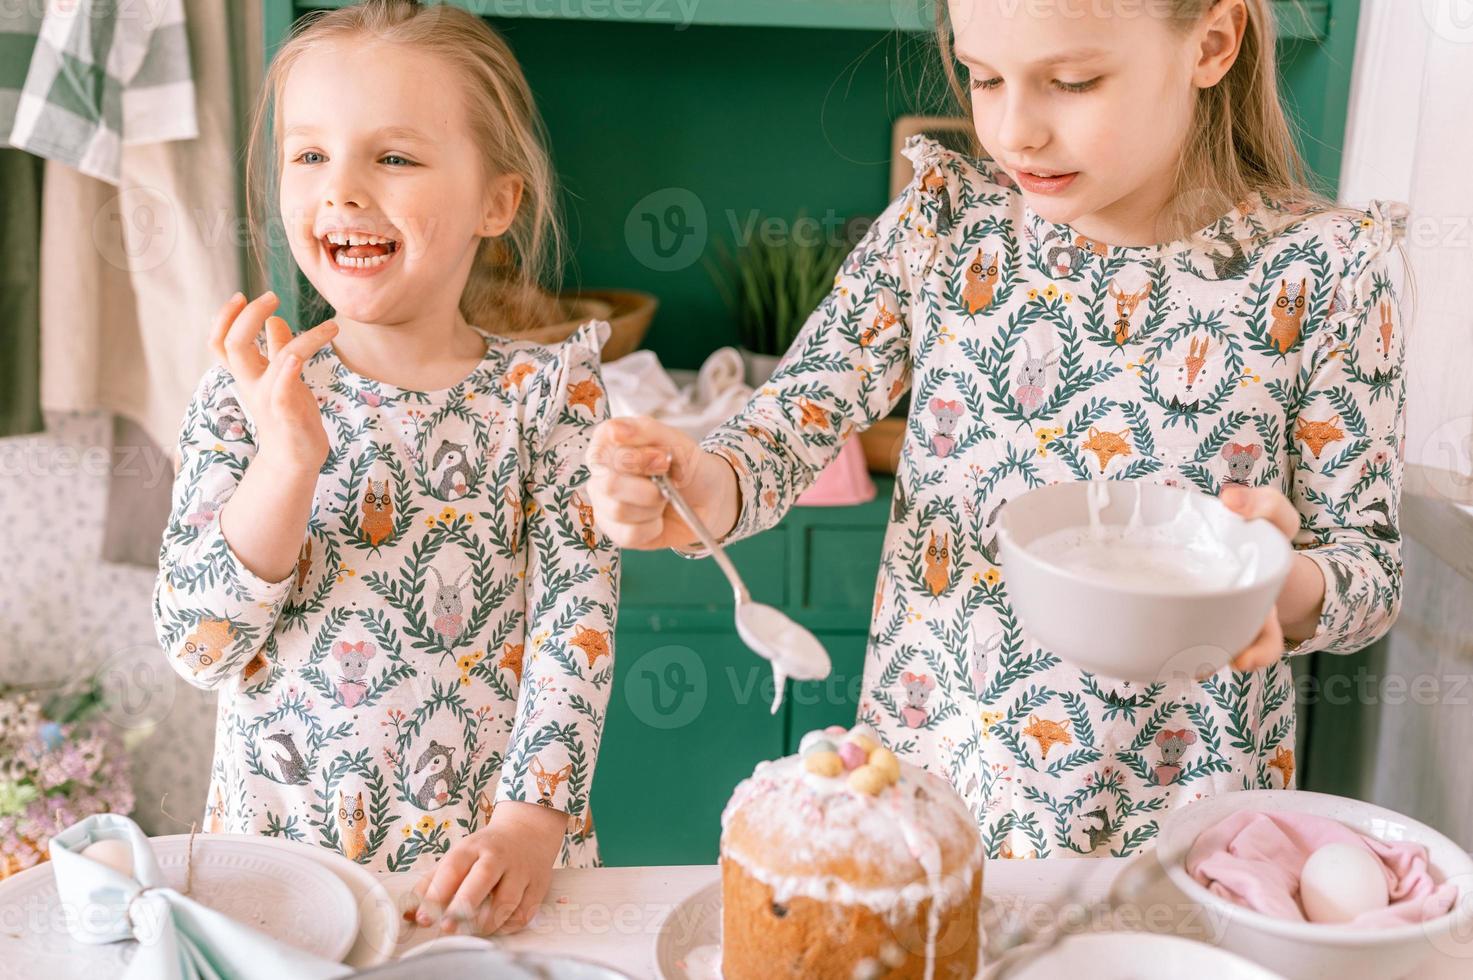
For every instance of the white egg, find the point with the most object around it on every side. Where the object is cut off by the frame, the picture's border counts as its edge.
(817, 735)
(116, 854)
(1340, 882)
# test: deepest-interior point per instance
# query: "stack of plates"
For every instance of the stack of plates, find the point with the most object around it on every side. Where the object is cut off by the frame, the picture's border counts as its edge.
(305, 896)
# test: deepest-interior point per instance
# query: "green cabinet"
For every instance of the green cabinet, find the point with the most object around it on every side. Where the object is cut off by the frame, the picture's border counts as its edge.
(690, 714)
(687, 720)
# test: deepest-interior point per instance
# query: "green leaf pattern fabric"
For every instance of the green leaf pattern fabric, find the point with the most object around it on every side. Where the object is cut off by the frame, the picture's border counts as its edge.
(446, 641)
(1265, 350)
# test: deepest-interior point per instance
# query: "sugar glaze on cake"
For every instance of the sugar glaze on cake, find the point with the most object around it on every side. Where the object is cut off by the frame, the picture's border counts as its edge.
(843, 862)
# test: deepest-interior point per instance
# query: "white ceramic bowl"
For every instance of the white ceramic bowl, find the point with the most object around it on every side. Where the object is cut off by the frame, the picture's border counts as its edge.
(1303, 950)
(1135, 634)
(1129, 956)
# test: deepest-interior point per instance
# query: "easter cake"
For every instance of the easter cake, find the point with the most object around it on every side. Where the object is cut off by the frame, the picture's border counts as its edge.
(844, 862)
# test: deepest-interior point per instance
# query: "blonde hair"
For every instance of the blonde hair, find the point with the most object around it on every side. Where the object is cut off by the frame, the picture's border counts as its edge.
(505, 286)
(1240, 142)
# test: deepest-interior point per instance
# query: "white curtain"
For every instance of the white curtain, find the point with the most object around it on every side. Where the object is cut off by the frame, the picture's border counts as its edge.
(1408, 139)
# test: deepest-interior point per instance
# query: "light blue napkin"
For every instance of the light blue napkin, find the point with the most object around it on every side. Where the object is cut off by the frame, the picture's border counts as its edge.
(178, 938)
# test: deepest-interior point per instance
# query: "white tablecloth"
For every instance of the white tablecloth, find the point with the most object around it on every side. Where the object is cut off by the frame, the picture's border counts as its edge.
(612, 915)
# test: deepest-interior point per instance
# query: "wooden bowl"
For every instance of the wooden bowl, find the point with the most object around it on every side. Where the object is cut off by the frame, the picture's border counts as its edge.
(882, 442)
(628, 311)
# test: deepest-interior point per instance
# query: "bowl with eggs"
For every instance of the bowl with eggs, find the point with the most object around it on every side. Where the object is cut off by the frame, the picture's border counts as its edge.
(1338, 924)
(1139, 581)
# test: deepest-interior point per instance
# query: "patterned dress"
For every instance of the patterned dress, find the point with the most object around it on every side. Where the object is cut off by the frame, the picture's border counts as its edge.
(1265, 350)
(446, 641)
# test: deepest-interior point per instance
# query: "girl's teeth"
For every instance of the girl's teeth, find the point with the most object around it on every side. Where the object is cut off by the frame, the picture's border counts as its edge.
(363, 263)
(338, 238)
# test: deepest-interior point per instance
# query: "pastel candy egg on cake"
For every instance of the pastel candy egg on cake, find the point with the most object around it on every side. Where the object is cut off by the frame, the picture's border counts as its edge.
(853, 755)
(821, 756)
(885, 761)
(871, 767)
(868, 779)
(815, 737)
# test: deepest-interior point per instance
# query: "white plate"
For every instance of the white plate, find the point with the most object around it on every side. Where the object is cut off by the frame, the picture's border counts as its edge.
(378, 915)
(688, 946)
(251, 879)
(472, 957)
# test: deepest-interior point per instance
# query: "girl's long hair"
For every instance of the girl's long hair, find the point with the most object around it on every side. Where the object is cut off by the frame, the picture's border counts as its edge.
(505, 287)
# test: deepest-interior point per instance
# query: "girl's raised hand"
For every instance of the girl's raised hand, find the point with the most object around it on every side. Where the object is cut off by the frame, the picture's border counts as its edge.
(1270, 504)
(622, 455)
(286, 415)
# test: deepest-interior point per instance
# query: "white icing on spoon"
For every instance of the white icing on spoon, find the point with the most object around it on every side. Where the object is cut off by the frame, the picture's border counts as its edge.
(793, 651)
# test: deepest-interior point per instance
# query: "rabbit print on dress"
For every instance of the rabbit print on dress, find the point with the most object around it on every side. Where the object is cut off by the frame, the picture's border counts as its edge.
(1033, 383)
(447, 606)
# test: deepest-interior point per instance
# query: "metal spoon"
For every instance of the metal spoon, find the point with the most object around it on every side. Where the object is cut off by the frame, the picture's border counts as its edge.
(792, 649)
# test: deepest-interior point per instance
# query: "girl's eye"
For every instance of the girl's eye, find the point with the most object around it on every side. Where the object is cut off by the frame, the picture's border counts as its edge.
(302, 157)
(402, 160)
(1076, 86)
(986, 84)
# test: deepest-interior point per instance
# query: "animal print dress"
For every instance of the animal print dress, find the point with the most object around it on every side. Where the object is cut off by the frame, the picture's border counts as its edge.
(446, 641)
(1266, 350)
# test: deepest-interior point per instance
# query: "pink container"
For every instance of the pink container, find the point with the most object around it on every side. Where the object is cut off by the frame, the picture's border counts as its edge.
(843, 482)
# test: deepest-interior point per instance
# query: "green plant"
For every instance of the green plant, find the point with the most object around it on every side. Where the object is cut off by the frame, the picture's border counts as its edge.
(772, 287)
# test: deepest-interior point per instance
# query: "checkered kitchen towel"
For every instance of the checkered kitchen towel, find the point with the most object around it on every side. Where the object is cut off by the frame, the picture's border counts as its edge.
(79, 79)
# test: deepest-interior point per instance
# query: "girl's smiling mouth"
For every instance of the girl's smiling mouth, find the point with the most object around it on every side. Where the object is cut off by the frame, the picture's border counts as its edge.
(359, 253)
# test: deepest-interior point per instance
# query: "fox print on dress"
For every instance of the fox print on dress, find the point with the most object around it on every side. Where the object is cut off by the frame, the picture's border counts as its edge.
(1264, 349)
(449, 613)
(1288, 314)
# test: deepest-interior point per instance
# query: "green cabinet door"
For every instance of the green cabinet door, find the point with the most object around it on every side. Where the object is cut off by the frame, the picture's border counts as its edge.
(834, 700)
(688, 719)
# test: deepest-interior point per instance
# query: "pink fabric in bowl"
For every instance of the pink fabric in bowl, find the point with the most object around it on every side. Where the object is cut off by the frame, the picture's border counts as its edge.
(1253, 859)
